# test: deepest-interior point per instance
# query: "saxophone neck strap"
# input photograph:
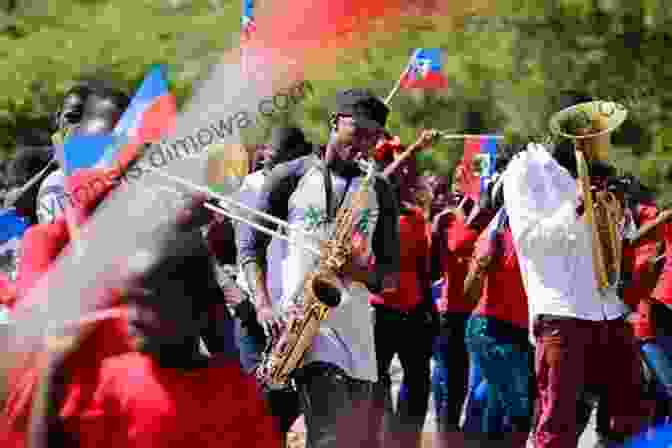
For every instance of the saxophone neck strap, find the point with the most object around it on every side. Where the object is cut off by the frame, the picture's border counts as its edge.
(329, 193)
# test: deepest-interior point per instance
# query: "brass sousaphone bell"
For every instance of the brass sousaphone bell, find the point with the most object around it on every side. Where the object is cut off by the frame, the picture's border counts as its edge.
(589, 125)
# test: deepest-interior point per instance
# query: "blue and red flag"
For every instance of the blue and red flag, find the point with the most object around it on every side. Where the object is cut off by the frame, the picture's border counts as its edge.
(12, 228)
(150, 116)
(424, 70)
(478, 164)
(248, 25)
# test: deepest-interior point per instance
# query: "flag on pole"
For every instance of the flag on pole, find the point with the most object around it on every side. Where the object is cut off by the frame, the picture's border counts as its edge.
(151, 115)
(248, 25)
(247, 28)
(424, 70)
(478, 164)
(12, 228)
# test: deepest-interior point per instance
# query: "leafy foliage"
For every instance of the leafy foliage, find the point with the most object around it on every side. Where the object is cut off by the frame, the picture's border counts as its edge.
(509, 68)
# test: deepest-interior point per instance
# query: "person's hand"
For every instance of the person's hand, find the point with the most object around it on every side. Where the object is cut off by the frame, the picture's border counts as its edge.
(193, 214)
(665, 215)
(270, 321)
(426, 139)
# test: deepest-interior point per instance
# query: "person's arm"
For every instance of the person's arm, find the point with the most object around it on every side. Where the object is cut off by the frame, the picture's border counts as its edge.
(423, 265)
(41, 245)
(273, 200)
(438, 245)
(385, 243)
(649, 226)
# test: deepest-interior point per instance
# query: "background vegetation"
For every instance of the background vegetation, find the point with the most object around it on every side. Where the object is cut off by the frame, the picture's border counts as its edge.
(506, 68)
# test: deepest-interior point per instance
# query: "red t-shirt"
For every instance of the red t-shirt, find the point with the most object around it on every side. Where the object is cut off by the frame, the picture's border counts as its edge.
(139, 404)
(643, 282)
(414, 252)
(663, 291)
(503, 295)
(7, 291)
(455, 241)
(41, 245)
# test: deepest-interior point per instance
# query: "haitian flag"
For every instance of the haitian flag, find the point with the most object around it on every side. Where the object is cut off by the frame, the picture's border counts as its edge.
(150, 116)
(424, 70)
(478, 164)
(248, 25)
(12, 228)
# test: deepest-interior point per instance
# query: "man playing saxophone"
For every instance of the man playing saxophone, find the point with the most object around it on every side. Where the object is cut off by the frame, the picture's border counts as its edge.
(339, 368)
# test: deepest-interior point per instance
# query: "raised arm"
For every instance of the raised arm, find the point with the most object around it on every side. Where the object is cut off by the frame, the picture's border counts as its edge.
(386, 245)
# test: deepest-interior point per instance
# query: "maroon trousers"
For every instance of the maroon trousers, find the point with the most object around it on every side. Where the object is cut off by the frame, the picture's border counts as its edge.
(574, 355)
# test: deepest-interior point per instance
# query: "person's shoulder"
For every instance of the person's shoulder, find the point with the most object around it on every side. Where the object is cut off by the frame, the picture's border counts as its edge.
(57, 230)
(293, 168)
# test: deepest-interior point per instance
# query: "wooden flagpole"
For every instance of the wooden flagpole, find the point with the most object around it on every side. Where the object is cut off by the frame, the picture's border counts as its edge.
(396, 87)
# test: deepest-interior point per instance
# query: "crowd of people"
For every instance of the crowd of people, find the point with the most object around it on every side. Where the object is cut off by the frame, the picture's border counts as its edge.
(498, 290)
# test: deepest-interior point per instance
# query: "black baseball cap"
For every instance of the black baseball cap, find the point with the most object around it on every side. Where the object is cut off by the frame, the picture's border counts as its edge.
(367, 109)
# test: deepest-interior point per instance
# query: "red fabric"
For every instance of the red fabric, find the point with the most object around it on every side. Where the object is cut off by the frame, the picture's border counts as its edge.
(663, 291)
(643, 280)
(109, 338)
(503, 294)
(458, 246)
(138, 404)
(414, 255)
(40, 246)
(433, 80)
(88, 187)
(7, 291)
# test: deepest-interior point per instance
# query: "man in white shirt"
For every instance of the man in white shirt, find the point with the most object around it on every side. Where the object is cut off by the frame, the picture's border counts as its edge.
(579, 331)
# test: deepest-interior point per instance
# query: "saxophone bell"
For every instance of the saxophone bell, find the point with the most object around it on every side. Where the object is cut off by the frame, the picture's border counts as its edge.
(328, 290)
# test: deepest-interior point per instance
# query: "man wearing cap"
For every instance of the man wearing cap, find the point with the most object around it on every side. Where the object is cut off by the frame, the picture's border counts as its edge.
(336, 381)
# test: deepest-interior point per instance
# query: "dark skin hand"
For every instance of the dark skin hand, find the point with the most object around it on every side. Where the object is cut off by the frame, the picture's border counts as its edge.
(647, 228)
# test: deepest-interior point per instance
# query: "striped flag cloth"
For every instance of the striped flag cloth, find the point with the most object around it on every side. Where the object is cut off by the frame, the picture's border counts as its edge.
(478, 164)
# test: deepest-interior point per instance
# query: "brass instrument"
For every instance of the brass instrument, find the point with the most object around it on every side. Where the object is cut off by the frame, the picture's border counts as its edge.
(589, 125)
(322, 287)
(321, 291)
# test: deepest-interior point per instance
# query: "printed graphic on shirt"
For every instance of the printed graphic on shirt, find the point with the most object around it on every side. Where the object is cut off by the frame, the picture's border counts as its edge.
(315, 218)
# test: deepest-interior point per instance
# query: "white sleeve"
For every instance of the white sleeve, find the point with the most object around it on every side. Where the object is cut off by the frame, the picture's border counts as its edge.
(540, 198)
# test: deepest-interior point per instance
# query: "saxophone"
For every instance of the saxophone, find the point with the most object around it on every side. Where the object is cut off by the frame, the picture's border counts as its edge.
(322, 289)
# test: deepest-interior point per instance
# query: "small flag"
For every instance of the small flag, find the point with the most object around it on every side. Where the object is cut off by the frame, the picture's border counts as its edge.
(248, 25)
(478, 164)
(12, 228)
(424, 70)
(150, 116)
(86, 151)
